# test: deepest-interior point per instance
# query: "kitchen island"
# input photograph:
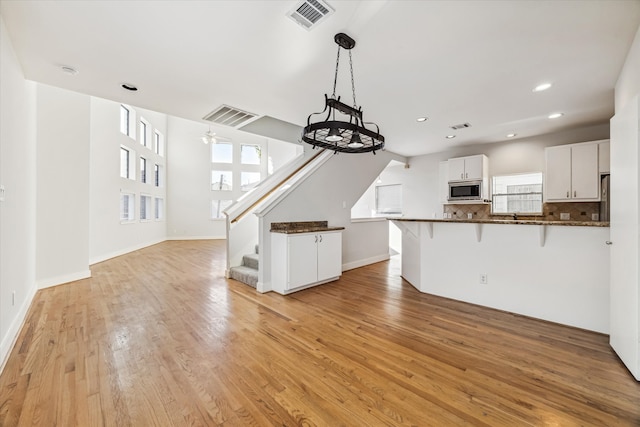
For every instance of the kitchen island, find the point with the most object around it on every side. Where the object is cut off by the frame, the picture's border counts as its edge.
(551, 270)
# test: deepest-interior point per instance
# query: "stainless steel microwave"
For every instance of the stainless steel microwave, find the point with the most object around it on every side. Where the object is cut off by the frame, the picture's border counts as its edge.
(463, 191)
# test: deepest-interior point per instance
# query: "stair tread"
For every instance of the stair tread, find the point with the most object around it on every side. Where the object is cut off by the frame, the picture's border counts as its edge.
(251, 260)
(244, 274)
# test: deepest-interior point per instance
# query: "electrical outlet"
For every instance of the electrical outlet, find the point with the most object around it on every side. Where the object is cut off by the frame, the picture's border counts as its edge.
(484, 279)
(565, 216)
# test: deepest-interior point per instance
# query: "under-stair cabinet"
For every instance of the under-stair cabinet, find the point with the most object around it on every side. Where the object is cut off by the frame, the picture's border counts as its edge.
(305, 255)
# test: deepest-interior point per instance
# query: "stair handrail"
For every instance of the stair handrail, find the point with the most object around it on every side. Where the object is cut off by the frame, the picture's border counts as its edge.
(268, 202)
(256, 195)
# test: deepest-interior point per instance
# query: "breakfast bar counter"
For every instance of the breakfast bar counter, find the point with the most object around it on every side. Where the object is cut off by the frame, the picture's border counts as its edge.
(551, 270)
(512, 221)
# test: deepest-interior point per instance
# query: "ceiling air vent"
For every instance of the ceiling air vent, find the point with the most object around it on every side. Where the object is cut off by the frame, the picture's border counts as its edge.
(308, 13)
(229, 116)
(461, 126)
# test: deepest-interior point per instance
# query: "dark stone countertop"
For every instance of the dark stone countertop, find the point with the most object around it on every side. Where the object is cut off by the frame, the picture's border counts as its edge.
(302, 227)
(511, 221)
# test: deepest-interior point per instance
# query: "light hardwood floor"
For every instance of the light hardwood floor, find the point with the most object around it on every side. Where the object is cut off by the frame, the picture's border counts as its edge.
(159, 337)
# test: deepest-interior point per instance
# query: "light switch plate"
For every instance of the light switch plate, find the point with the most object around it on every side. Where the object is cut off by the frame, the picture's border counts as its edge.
(565, 216)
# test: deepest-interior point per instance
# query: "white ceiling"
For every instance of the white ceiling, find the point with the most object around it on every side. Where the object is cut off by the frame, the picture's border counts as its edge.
(452, 61)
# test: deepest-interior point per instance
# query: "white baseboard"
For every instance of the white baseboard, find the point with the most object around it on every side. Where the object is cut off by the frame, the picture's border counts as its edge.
(104, 257)
(59, 280)
(197, 238)
(9, 340)
(362, 262)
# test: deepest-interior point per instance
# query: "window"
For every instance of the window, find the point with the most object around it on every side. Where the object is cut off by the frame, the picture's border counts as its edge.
(143, 170)
(124, 162)
(125, 116)
(248, 180)
(222, 153)
(520, 193)
(157, 175)
(250, 154)
(158, 143)
(126, 206)
(389, 199)
(159, 209)
(127, 163)
(221, 180)
(145, 207)
(143, 132)
(218, 207)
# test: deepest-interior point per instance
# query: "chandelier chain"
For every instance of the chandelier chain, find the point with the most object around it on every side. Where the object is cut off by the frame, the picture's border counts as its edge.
(353, 83)
(335, 79)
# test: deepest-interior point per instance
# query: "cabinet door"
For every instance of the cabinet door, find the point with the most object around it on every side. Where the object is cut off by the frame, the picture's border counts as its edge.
(585, 178)
(456, 169)
(329, 255)
(558, 173)
(473, 168)
(303, 256)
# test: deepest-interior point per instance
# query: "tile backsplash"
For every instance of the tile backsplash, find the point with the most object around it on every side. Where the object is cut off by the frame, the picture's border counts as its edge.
(550, 211)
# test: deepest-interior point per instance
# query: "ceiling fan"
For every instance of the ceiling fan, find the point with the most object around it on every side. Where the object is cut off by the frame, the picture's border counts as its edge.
(210, 137)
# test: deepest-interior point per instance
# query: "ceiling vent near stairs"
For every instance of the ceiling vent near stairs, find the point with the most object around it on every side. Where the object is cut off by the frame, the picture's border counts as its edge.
(308, 13)
(229, 116)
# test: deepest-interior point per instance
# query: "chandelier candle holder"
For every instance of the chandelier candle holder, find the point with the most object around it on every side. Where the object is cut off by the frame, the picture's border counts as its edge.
(349, 135)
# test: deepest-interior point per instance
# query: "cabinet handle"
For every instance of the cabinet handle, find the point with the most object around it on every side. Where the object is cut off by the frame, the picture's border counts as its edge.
(567, 194)
(466, 175)
(574, 193)
(321, 238)
(608, 242)
(461, 175)
(316, 238)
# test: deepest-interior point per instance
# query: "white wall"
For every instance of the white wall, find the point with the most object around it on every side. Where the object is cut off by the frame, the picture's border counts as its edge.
(625, 223)
(628, 84)
(18, 210)
(420, 182)
(189, 176)
(108, 237)
(62, 226)
(189, 183)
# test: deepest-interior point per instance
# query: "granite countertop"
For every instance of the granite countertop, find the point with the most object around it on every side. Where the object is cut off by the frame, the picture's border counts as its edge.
(512, 221)
(302, 227)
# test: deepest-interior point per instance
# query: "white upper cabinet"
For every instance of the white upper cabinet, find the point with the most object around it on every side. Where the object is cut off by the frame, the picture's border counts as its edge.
(471, 168)
(572, 173)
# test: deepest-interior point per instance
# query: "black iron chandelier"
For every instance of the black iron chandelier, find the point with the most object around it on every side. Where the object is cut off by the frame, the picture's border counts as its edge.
(343, 136)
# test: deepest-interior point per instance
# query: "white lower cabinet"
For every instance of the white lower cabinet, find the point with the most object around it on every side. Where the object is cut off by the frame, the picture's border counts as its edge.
(302, 260)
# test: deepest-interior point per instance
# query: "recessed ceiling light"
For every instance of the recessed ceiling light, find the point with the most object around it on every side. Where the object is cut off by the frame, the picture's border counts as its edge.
(69, 70)
(129, 86)
(450, 136)
(541, 87)
(555, 115)
(422, 119)
(511, 135)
